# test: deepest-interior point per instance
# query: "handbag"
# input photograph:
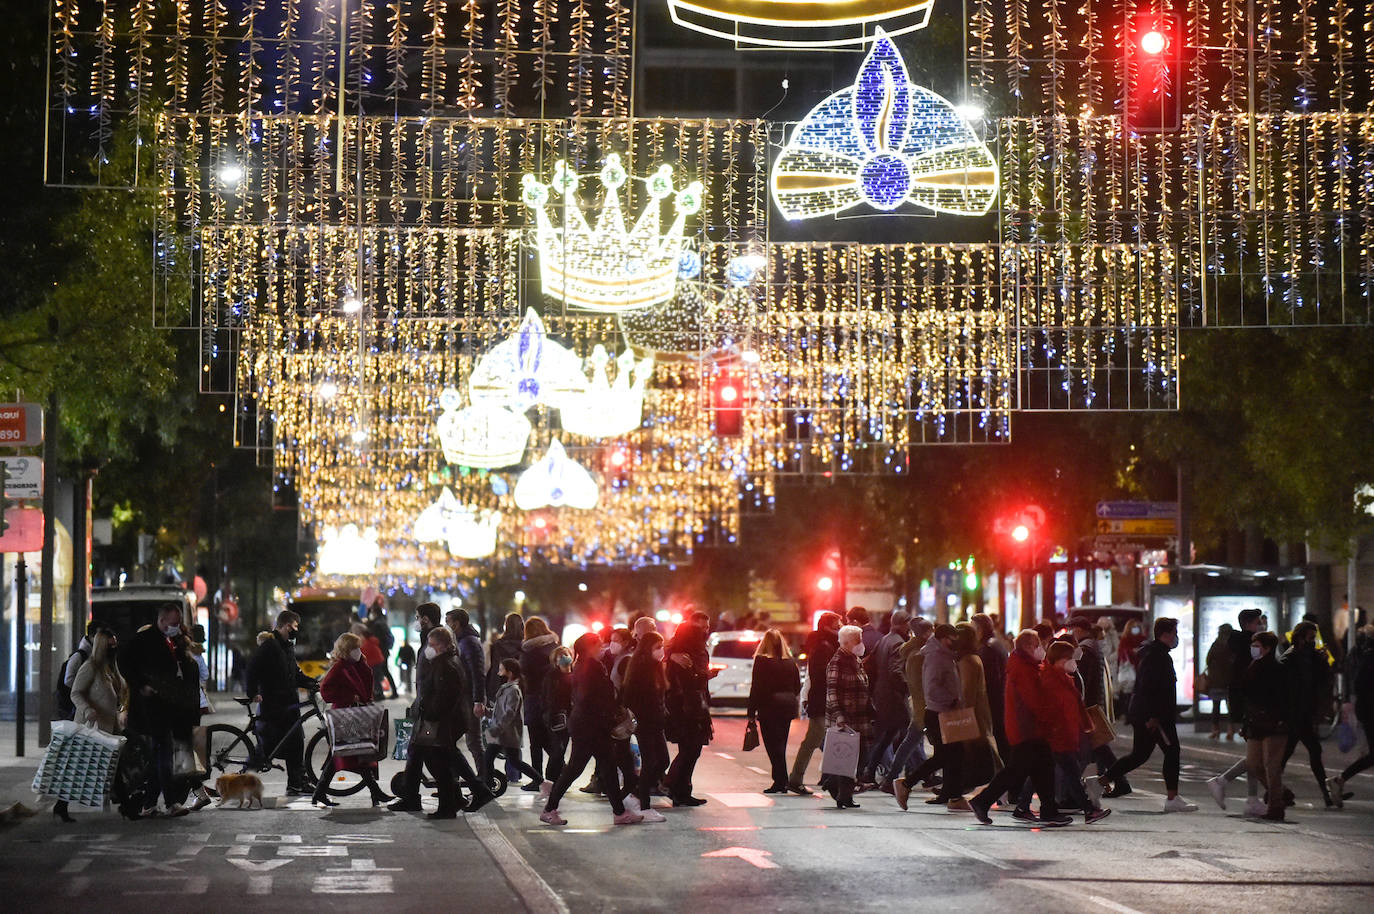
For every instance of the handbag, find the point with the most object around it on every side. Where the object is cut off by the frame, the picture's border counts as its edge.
(1102, 732)
(840, 756)
(79, 764)
(360, 731)
(751, 736)
(426, 735)
(625, 724)
(959, 725)
(1200, 684)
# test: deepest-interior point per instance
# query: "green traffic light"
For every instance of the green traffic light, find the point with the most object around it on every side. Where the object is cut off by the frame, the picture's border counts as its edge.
(971, 581)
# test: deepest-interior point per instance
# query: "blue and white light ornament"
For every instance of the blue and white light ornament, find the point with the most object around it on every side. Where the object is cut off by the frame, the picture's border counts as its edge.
(884, 142)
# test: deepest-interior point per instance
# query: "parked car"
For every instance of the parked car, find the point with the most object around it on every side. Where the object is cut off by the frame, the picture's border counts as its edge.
(732, 655)
(127, 609)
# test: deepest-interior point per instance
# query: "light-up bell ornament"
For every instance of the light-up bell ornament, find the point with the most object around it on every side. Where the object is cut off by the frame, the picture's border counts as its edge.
(556, 480)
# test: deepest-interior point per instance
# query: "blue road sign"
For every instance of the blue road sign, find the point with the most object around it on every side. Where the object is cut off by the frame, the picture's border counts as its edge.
(1136, 510)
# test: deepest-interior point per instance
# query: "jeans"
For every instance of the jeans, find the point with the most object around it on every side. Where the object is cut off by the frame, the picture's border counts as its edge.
(811, 741)
(625, 762)
(1068, 767)
(512, 756)
(912, 747)
(947, 757)
(773, 734)
(653, 761)
(1305, 732)
(583, 751)
(1264, 757)
(882, 739)
(1030, 759)
(1166, 737)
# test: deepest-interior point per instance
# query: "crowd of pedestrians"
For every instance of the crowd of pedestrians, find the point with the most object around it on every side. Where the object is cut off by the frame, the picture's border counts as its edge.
(1007, 722)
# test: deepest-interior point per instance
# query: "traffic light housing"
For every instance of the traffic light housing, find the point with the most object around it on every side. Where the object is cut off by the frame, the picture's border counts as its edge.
(1152, 71)
(729, 392)
(616, 462)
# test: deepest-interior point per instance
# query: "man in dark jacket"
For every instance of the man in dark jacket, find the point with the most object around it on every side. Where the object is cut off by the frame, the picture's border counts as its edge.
(1251, 621)
(1153, 716)
(427, 614)
(993, 653)
(273, 679)
(164, 702)
(1308, 675)
(1092, 670)
(445, 703)
(888, 688)
(689, 705)
(820, 647)
(469, 645)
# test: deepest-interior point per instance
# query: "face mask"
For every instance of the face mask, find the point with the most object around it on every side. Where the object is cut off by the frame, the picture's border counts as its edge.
(1038, 654)
(172, 631)
(1071, 666)
(565, 662)
(431, 652)
(860, 649)
(659, 655)
(291, 635)
(355, 655)
(1256, 652)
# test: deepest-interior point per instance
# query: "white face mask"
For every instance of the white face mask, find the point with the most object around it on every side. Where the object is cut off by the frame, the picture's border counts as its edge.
(1038, 654)
(431, 652)
(659, 655)
(1256, 651)
(860, 649)
(1071, 666)
(355, 655)
(172, 631)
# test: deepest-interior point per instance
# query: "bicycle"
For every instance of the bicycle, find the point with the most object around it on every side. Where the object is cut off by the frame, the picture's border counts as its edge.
(230, 750)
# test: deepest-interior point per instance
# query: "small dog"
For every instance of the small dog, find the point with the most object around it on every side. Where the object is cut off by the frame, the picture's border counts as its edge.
(241, 787)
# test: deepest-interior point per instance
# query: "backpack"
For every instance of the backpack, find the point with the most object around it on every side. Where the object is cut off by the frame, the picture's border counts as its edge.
(63, 693)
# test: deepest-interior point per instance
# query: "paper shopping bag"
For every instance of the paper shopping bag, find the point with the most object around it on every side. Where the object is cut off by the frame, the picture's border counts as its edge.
(959, 725)
(841, 757)
(1102, 728)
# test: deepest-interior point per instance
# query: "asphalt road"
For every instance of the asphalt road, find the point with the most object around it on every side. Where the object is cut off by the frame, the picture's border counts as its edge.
(742, 852)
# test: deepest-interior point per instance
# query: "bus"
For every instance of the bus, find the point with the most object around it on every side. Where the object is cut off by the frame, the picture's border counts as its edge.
(325, 615)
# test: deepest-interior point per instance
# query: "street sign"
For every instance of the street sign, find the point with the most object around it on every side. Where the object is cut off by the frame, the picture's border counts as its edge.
(1132, 510)
(23, 530)
(21, 424)
(1122, 543)
(23, 477)
(1145, 526)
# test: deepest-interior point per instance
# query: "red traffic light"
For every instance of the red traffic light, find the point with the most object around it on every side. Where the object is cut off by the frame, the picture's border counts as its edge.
(1153, 41)
(619, 458)
(728, 395)
(1152, 58)
(1020, 533)
(825, 583)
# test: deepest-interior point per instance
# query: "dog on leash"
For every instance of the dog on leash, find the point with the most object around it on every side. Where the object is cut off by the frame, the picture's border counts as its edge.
(241, 787)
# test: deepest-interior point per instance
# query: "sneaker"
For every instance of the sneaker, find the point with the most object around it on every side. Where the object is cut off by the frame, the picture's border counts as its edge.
(1217, 787)
(176, 810)
(901, 791)
(403, 805)
(980, 811)
(1254, 808)
(1178, 804)
(551, 817)
(653, 815)
(1097, 815)
(1093, 788)
(300, 791)
(1056, 821)
(632, 804)
(1025, 815)
(958, 804)
(1336, 788)
(628, 818)
(1119, 789)
(546, 788)
(201, 802)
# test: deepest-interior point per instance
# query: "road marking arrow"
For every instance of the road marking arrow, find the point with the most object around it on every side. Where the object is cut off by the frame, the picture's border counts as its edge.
(748, 854)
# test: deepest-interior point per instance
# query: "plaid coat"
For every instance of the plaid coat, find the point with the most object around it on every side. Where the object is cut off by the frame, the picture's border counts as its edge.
(846, 692)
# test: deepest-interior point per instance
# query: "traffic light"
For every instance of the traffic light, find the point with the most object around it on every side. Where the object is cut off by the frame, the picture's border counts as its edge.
(1152, 72)
(616, 461)
(728, 394)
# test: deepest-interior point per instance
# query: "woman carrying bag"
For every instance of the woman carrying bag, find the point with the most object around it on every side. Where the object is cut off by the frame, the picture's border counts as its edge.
(445, 707)
(348, 684)
(773, 695)
(100, 696)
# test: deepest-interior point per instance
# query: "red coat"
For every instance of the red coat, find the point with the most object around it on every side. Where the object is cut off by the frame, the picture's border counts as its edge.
(1065, 718)
(348, 683)
(372, 651)
(1025, 702)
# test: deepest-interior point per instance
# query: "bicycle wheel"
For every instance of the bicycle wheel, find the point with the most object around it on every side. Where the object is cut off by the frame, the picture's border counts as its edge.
(321, 765)
(228, 750)
(497, 783)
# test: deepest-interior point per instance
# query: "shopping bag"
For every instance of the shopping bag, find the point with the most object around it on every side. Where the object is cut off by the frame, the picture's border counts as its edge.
(78, 765)
(841, 755)
(1345, 736)
(959, 725)
(185, 763)
(751, 736)
(401, 751)
(358, 732)
(1102, 728)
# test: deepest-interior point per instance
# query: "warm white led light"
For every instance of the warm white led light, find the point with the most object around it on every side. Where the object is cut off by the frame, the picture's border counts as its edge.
(882, 143)
(800, 23)
(607, 267)
(230, 174)
(352, 304)
(347, 552)
(556, 480)
(527, 368)
(483, 435)
(607, 408)
(467, 532)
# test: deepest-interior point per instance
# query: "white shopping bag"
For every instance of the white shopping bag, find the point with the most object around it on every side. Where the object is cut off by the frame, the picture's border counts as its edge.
(841, 757)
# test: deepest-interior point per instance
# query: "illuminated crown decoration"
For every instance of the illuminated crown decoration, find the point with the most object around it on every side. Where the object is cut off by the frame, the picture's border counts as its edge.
(556, 480)
(527, 368)
(800, 23)
(608, 268)
(701, 318)
(346, 552)
(467, 532)
(884, 142)
(608, 409)
(484, 435)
